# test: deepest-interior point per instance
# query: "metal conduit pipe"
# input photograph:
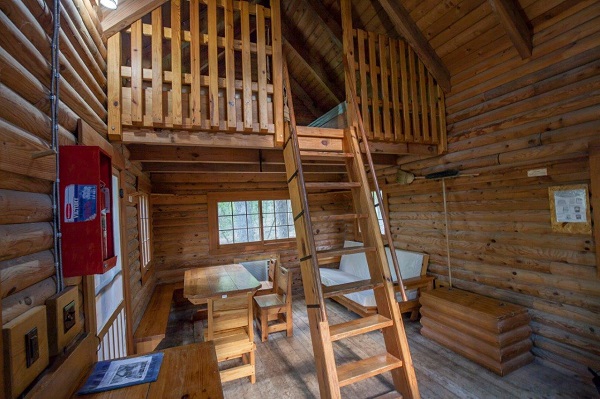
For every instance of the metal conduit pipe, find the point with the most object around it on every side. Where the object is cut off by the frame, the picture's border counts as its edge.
(54, 102)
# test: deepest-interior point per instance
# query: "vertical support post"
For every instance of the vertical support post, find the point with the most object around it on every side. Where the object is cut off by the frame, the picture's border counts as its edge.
(176, 61)
(213, 65)
(229, 67)
(395, 78)
(261, 58)
(435, 134)
(137, 99)
(414, 96)
(277, 71)
(374, 85)
(157, 71)
(246, 66)
(423, 100)
(594, 160)
(195, 99)
(385, 94)
(442, 145)
(114, 87)
(405, 91)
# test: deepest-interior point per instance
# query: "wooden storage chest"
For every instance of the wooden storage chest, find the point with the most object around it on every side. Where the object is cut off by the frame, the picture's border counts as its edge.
(490, 332)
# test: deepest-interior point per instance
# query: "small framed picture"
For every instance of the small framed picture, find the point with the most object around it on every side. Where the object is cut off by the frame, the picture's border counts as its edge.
(570, 209)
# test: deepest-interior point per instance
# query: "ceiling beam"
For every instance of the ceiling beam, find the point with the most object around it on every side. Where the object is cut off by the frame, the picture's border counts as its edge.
(515, 25)
(331, 26)
(127, 13)
(407, 28)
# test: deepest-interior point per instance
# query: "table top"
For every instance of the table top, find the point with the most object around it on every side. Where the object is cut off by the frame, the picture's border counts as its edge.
(215, 282)
(189, 371)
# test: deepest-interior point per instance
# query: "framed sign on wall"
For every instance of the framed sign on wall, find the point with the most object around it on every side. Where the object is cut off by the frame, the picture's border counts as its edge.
(570, 209)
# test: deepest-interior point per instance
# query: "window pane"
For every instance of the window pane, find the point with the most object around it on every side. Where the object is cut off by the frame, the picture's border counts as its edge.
(281, 219)
(290, 220)
(226, 237)
(253, 221)
(252, 207)
(224, 208)
(282, 232)
(225, 223)
(269, 233)
(268, 206)
(239, 207)
(268, 220)
(240, 235)
(239, 222)
(281, 206)
(254, 234)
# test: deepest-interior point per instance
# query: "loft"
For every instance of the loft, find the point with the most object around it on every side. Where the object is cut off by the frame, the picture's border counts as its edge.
(328, 147)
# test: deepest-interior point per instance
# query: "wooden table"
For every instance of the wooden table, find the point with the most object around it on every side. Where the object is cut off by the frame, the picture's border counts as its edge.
(189, 371)
(216, 282)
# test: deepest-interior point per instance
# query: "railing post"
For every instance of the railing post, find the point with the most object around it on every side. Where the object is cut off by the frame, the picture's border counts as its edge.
(114, 87)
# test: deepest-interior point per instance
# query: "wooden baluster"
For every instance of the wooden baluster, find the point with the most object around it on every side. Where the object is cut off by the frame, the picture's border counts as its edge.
(374, 85)
(195, 99)
(364, 87)
(385, 95)
(176, 62)
(277, 70)
(213, 65)
(435, 136)
(157, 71)
(246, 66)
(229, 67)
(114, 86)
(137, 110)
(397, 133)
(405, 92)
(423, 100)
(262, 68)
(413, 94)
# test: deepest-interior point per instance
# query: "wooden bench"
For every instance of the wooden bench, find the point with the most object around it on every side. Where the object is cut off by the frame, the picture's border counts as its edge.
(153, 326)
(493, 333)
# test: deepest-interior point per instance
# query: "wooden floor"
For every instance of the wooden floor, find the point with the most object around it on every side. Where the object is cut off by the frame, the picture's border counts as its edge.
(285, 368)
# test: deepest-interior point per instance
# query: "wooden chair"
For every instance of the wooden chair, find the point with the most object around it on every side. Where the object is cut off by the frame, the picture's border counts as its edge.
(230, 327)
(273, 312)
(268, 287)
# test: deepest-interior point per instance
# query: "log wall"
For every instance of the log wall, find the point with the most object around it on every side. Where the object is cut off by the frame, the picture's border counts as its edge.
(26, 243)
(180, 220)
(507, 116)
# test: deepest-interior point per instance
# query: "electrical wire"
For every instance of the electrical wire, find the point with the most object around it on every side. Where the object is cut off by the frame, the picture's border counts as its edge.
(54, 102)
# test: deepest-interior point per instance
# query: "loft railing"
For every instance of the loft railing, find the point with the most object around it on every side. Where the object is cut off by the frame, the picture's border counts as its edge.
(198, 65)
(398, 98)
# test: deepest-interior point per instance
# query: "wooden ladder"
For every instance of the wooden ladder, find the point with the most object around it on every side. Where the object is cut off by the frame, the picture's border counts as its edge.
(396, 357)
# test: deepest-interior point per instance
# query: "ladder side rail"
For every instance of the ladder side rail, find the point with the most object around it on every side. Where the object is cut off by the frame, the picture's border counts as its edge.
(352, 97)
(327, 377)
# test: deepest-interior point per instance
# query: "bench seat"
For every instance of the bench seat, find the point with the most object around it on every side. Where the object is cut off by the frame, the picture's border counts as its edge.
(153, 326)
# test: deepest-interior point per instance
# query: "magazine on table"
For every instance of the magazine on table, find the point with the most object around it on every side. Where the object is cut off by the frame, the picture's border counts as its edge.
(119, 373)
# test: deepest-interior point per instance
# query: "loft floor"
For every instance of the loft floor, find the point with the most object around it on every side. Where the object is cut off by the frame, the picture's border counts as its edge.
(285, 367)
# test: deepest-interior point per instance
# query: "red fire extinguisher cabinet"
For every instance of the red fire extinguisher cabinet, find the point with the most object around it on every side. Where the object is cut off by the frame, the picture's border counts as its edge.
(86, 219)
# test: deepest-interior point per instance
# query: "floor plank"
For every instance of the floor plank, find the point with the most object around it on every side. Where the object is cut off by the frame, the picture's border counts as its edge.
(285, 367)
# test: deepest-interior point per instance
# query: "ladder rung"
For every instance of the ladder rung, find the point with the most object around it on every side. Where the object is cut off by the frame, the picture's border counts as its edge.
(338, 218)
(350, 373)
(331, 185)
(324, 155)
(342, 251)
(359, 326)
(348, 288)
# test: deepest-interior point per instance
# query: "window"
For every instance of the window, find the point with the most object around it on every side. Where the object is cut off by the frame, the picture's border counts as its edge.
(250, 222)
(378, 211)
(144, 232)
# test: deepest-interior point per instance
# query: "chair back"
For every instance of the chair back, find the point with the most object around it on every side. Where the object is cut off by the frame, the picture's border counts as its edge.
(273, 272)
(284, 283)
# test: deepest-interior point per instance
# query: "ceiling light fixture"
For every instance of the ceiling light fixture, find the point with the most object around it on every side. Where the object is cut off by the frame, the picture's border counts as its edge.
(112, 4)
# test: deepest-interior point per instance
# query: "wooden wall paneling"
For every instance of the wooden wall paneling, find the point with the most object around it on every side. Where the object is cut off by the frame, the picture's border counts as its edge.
(83, 22)
(594, 160)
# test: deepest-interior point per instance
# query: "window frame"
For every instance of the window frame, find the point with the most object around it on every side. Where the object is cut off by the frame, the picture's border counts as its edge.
(213, 222)
(145, 235)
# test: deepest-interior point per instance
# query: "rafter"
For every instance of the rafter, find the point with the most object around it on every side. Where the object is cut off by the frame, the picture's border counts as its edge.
(128, 12)
(332, 27)
(515, 25)
(407, 28)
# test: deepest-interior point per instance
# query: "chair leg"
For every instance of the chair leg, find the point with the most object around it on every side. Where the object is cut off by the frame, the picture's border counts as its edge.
(264, 326)
(252, 362)
(289, 324)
